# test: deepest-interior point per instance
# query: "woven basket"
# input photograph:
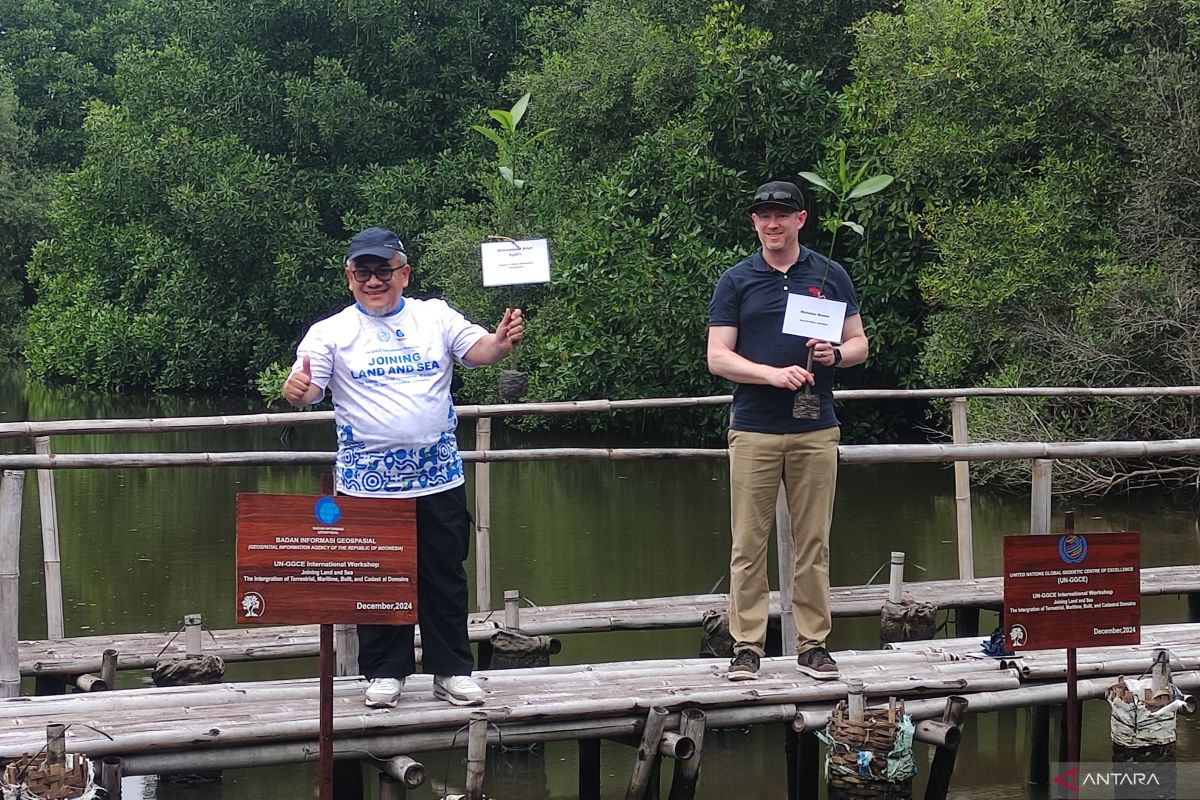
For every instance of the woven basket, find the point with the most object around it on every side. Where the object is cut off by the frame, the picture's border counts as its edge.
(857, 763)
(31, 778)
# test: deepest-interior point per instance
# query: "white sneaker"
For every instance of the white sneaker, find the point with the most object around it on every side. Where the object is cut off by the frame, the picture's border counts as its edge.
(384, 692)
(459, 690)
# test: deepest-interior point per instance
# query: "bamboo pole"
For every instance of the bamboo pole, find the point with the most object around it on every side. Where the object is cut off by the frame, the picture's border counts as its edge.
(643, 767)
(786, 550)
(353, 746)
(88, 682)
(896, 577)
(512, 609)
(108, 668)
(483, 517)
(404, 769)
(52, 561)
(477, 731)
(390, 788)
(847, 454)
(345, 645)
(1039, 496)
(962, 491)
(192, 636)
(855, 701)
(12, 485)
(111, 773)
(56, 744)
(942, 768)
(687, 772)
(602, 406)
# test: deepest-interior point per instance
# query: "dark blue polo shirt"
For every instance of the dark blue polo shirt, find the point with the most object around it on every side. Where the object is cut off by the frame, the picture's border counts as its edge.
(751, 296)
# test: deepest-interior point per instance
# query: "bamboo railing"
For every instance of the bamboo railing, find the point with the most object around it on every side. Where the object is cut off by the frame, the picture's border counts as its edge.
(961, 453)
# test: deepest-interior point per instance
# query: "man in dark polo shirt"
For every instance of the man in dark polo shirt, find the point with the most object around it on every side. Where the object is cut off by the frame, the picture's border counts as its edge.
(767, 444)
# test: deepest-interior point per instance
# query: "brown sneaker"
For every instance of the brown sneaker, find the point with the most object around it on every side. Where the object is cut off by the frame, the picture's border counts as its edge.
(743, 667)
(817, 663)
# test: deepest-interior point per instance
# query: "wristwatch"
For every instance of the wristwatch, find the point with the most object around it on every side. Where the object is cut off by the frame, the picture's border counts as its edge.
(837, 356)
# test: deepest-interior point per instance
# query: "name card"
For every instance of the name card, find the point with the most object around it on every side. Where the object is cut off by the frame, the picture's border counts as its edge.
(510, 263)
(814, 318)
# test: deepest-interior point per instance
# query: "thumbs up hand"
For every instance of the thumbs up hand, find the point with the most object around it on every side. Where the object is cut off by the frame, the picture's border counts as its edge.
(298, 389)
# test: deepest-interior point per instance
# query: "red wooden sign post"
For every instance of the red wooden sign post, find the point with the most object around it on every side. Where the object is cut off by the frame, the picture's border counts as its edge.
(1068, 591)
(326, 559)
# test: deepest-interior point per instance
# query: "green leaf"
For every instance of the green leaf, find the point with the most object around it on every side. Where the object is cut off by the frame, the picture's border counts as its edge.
(854, 226)
(508, 174)
(539, 135)
(519, 183)
(876, 183)
(817, 180)
(504, 118)
(490, 134)
(518, 109)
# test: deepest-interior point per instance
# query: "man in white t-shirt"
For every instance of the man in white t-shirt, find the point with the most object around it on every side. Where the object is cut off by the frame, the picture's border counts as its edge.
(389, 359)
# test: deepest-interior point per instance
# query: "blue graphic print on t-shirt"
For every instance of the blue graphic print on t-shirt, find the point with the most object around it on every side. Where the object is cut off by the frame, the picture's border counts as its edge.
(398, 470)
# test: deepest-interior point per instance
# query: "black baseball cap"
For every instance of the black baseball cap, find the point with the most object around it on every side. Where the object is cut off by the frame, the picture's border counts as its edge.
(778, 193)
(375, 242)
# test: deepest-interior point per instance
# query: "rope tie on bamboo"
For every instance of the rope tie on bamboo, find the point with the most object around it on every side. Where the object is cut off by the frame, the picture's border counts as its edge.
(520, 597)
(183, 627)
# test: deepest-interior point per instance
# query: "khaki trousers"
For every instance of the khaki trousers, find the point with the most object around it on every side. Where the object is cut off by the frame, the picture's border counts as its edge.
(807, 465)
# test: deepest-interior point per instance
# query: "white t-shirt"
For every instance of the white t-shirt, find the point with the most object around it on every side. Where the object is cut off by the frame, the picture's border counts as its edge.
(390, 378)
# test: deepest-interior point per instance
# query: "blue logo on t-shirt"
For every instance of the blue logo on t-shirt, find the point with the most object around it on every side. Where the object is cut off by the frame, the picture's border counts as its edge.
(326, 511)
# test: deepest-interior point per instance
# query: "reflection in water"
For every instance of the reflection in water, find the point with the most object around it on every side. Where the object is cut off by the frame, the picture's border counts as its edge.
(141, 548)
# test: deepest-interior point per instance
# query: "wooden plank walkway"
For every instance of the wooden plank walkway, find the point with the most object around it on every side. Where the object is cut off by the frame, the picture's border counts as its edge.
(77, 655)
(228, 725)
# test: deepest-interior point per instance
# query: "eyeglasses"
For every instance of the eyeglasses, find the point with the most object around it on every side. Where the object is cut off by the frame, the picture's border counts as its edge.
(362, 275)
(774, 197)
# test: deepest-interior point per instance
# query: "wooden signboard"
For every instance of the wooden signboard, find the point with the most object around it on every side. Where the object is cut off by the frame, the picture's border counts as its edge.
(1072, 590)
(305, 559)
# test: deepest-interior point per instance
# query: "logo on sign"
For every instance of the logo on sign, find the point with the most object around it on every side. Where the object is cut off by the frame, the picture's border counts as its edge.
(1072, 548)
(253, 604)
(1017, 635)
(326, 511)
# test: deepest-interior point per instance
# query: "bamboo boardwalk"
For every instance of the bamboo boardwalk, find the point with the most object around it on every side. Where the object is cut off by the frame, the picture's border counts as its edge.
(78, 655)
(230, 725)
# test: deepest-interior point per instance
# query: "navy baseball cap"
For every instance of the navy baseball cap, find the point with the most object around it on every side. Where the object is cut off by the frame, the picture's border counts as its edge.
(375, 242)
(778, 193)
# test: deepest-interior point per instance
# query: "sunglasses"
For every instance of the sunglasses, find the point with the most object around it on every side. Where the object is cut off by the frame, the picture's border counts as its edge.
(775, 197)
(362, 275)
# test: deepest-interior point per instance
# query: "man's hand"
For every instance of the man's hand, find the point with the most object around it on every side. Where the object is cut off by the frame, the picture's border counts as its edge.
(822, 351)
(298, 386)
(510, 330)
(793, 377)
(491, 349)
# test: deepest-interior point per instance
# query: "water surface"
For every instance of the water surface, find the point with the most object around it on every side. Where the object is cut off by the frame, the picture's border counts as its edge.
(142, 547)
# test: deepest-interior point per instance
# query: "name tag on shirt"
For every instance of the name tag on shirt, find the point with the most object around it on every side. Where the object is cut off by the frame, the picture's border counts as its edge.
(814, 318)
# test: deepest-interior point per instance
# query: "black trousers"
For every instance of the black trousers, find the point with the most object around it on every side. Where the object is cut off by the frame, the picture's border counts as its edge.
(443, 541)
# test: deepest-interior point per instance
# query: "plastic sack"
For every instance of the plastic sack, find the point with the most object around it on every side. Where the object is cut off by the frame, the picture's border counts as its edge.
(1136, 723)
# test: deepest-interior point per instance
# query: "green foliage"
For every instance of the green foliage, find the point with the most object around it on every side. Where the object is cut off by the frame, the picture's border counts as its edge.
(513, 148)
(606, 77)
(269, 385)
(201, 232)
(1000, 124)
(22, 218)
(211, 274)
